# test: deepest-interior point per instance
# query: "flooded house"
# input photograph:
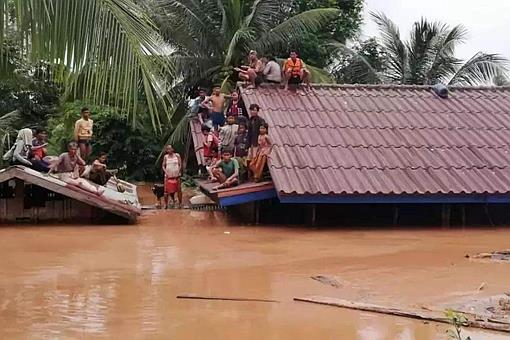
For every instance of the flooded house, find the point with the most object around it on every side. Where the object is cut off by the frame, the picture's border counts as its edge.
(33, 197)
(383, 151)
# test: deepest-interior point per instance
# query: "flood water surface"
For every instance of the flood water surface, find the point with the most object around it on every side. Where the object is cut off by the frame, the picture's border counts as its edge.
(121, 282)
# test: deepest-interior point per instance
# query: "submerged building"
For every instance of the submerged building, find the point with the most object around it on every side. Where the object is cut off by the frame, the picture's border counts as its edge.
(383, 144)
(30, 196)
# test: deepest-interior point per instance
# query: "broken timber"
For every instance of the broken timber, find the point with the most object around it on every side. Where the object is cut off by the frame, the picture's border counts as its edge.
(413, 314)
(197, 297)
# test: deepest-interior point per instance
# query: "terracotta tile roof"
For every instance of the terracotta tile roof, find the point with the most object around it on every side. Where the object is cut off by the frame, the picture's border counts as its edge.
(358, 139)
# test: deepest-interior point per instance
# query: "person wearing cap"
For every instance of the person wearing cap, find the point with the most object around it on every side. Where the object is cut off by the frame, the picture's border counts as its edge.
(253, 71)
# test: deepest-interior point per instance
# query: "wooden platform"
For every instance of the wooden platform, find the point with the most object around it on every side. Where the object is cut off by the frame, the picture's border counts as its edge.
(243, 193)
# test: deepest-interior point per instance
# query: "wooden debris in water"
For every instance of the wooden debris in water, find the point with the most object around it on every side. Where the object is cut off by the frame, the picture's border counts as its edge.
(500, 255)
(482, 286)
(327, 280)
(220, 298)
(499, 326)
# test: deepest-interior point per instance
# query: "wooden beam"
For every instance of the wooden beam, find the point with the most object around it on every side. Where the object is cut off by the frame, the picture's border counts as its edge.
(220, 298)
(435, 316)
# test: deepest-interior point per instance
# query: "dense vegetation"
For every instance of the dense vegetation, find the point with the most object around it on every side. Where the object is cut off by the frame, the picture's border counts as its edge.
(137, 62)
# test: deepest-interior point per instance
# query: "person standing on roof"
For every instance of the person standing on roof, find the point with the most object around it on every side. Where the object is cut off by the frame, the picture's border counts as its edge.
(83, 132)
(228, 134)
(272, 70)
(295, 70)
(216, 103)
(236, 108)
(259, 162)
(253, 72)
(254, 124)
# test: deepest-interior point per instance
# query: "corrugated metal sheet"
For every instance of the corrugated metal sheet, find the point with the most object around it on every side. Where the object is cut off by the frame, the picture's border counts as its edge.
(198, 140)
(387, 139)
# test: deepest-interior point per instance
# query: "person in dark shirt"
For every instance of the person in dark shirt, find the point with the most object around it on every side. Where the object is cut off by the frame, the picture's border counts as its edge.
(237, 108)
(241, 146)
(254, 124)
(38, 151)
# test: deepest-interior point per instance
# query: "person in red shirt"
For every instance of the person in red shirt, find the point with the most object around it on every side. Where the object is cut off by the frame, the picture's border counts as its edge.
(39, 151)
(210, 145)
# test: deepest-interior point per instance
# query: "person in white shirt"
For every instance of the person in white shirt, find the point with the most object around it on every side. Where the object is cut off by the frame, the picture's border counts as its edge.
(272, 70)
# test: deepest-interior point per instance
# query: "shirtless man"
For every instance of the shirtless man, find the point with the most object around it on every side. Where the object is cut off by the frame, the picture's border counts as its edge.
(216, 104)
(252, 71)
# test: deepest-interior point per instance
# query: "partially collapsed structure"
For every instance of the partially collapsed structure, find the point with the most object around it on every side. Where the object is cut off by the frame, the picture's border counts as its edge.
(387, 144)
(30, 196)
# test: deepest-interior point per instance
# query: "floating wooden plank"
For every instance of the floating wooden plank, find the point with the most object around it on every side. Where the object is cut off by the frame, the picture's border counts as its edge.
(406, 313)
(197, 297)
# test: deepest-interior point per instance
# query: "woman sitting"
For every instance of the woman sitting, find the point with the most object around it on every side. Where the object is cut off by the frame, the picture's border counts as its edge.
(20, 152)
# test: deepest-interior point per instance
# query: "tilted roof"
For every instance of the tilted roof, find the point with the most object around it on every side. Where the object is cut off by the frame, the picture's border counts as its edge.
(386, 139)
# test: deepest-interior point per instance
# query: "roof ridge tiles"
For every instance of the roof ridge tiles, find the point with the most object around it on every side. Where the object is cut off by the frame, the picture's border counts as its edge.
(419, 167)
(391, 146)
(390, 127)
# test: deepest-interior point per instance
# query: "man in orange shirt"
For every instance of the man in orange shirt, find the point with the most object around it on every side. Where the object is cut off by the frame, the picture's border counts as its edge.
(295, 70)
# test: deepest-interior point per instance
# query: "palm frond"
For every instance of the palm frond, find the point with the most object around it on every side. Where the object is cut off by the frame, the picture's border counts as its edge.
(394, 47)
(480, 69)
(104, 48)
(294, 28)
(445, 63)
(364, 72)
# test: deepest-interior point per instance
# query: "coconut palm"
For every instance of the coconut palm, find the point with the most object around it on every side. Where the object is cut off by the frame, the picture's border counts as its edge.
(211, 36)
(428, 56)
(104, 51)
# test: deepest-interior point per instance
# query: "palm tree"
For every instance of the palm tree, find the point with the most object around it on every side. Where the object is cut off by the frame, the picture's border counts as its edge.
(209, 37)
(103, 51)
(428, 56)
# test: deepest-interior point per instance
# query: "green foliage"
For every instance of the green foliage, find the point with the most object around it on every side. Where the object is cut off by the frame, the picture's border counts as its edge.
(458, 320)
(132, 150)
(313, 46)
(103, 51)
(360, 64)
(428, 56)
(211, 36)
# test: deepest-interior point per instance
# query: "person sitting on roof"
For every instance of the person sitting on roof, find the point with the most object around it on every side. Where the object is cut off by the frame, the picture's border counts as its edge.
(67, 168)
(226, 171)
(272, 70)
(19, 154)
(253, 72)
(258, 163)
(38, 151)
(295, 71)
(98, 173)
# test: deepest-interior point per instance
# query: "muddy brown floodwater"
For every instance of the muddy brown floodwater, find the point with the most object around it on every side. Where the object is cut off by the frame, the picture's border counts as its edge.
(121, 282)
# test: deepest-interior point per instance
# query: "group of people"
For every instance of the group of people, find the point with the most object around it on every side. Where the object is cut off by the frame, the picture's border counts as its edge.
(30, 150)
(237, 150)
(268, 70)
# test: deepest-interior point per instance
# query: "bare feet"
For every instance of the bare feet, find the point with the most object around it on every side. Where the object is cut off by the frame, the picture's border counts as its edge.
(100, 191)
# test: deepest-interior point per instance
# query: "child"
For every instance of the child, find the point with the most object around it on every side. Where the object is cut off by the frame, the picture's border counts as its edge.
(226, 171)
(258, 163)
(83, 132)
(228, 134)
(210, 145)
(98, 173)
(38, 151)
(172, 167)
(241, 146)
